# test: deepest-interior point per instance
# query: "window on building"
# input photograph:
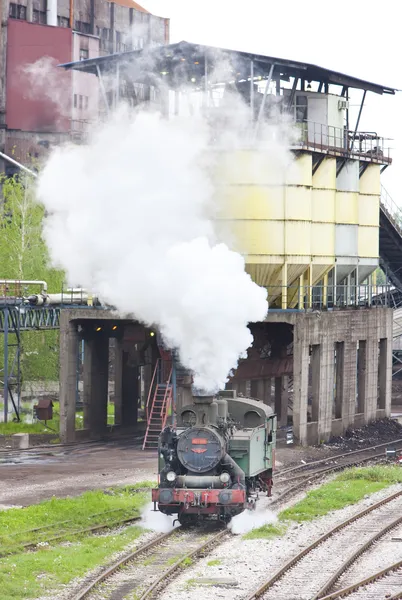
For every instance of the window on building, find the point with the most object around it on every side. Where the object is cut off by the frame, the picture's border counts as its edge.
(17, 11)
(84, 53)
(86, 101)
(82, 27)
(301, 109)
(63, 22)
(80, 101)
(75, 100)
(39, 16)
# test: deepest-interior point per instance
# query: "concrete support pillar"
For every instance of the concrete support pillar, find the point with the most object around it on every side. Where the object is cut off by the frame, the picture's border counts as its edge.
(118, 381)
(242, 386)
(349, 383)
(68, 377)
(87, 382)
(281, 400)
(339, 377)
(385, 375)
(260, 389)
(315, 364)
(267, 391)
(300, 386)
(361, 376)
(254, 389)
(326, 391)
(99, 366)
(370, 402)
(130, 393)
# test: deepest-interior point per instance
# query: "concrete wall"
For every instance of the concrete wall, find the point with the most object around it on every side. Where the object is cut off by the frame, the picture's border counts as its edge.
(361, 386)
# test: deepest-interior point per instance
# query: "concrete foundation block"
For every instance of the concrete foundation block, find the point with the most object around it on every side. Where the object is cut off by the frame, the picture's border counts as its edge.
(229, 581)
(20, 441)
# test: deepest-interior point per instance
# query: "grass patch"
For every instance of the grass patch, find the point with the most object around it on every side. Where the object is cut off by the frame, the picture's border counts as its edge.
(348, 488)
(214, 563)
(32, 574)
(331, 496)
(25, 426)
(390, 474)
(57, 515)
(265, 532)
(26, 575)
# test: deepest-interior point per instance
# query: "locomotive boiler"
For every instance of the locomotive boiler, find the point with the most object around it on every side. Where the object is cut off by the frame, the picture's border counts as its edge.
(216, 461)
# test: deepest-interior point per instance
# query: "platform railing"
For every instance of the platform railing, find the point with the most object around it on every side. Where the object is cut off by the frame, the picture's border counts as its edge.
(320, 297)
(341, 141)
(394, 212)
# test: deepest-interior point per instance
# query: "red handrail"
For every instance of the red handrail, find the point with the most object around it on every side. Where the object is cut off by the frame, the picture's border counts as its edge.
(150, 389)
(167, 389)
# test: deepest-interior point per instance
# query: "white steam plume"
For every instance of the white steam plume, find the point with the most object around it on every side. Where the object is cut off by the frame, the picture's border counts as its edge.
(130, 219)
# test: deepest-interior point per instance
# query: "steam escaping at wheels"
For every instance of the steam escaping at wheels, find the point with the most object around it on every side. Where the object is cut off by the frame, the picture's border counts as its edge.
(217, 461)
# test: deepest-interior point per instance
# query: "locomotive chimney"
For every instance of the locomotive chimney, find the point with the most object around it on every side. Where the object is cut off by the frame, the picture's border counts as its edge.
(202, 405)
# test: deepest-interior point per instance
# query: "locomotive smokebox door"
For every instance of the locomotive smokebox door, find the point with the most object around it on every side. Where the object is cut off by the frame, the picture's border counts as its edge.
(44, 409)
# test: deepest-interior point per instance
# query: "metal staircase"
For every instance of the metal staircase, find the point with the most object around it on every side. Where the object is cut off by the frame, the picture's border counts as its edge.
(158, 404)
(391, 238)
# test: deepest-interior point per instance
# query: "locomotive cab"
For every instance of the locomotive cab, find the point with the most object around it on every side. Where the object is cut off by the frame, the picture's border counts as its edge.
(218, 458)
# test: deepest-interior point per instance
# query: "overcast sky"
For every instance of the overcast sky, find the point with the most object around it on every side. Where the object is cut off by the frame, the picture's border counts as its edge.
(357, 37)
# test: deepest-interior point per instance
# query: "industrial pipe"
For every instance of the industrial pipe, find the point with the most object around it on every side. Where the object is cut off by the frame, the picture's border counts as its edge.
(18, 164)
(46, 299)
(51, 17)
(23, 282)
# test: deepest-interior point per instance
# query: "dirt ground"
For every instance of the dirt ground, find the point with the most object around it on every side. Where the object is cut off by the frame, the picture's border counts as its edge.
(31, 476)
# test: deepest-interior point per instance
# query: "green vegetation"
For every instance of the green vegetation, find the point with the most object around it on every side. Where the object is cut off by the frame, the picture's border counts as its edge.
(51, 426)
(382, 473)
(266, 531)
(35, 573)
(349, 487)
(214, 563)
(78, 512)
(25, 575)
(23, 255)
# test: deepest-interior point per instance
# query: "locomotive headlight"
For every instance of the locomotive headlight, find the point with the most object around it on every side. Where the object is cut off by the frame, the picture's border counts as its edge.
(171, 476)
(224, 477)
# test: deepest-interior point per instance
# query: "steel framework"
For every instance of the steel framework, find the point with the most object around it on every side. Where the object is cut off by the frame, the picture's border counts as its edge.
(14, 319)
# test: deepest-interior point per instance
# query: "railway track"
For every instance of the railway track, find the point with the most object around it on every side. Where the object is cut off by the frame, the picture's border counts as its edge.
(306, 466)
(304, 570)
(16, 541)
(360, 457)
(151, 567)
(386, 583)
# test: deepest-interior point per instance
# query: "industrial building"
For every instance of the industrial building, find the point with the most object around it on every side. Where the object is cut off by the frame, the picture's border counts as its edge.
(40, 105)
(313, 235)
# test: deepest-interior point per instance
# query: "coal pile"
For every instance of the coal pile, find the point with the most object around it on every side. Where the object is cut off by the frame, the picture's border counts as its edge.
(375, 433)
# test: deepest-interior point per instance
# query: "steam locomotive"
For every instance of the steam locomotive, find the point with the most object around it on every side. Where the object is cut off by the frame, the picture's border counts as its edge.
(217, 460)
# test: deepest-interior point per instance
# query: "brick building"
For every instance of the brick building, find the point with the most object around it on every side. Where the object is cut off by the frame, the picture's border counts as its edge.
(41, 105)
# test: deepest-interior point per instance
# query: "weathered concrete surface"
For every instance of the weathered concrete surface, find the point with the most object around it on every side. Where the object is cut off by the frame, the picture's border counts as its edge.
(320, 334)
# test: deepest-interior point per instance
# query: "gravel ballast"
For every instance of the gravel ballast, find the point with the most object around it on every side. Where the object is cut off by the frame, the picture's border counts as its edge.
(251, 561)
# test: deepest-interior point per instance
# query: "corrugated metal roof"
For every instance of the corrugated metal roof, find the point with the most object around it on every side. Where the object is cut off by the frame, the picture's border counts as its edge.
(186, 60)
(130, 4)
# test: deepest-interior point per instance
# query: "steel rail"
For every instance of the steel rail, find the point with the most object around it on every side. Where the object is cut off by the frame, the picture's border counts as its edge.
(370, 579)
(316, 475)
(73, 533)
(328, 469)
(336, 457)
(163, 579)
(326, 588)
(121, 563)
(293, 561)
